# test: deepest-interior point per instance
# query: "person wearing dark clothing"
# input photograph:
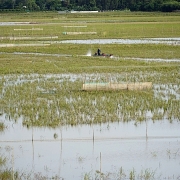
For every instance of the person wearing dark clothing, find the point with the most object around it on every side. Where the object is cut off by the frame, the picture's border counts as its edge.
(99, 52)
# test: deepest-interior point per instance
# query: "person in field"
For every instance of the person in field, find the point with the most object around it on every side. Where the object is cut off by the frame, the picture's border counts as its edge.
(99, 52)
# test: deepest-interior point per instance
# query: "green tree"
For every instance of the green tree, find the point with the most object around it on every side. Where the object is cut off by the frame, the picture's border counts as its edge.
(41, 4)
(170, 6)
(31, 5)
(114, 4)
(6, 4)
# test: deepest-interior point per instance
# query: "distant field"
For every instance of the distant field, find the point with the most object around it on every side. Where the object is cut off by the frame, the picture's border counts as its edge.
(106, 24)
(48, 28)
(124, 16)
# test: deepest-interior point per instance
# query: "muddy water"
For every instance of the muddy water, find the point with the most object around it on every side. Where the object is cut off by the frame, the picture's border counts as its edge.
(75, 151)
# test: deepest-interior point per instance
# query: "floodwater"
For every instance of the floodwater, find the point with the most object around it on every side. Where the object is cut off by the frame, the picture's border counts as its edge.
(153, 59)
(13, 23)
(115, 149)
(169, 41)
(73, 152)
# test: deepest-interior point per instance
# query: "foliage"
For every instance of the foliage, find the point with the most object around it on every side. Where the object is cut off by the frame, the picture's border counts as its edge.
(89, 5)
(170, 6)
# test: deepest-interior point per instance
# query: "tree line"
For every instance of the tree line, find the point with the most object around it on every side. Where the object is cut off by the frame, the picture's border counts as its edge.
(90, 5)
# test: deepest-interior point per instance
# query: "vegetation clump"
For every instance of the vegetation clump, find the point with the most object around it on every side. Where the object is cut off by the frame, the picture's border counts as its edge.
(4, 174)
(2, 126)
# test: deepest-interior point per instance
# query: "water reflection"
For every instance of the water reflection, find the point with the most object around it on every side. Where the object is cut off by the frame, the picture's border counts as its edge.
(86, 149)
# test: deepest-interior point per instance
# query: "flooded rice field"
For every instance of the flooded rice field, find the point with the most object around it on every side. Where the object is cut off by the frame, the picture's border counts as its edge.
(89, 135)
(50, 128)
(54, 130)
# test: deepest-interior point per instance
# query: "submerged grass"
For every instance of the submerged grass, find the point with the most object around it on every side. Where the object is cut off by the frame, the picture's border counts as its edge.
(146, 174)
(44, 89)
(2, 126)
(55, 101)
(44, 101)
(4, 174)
